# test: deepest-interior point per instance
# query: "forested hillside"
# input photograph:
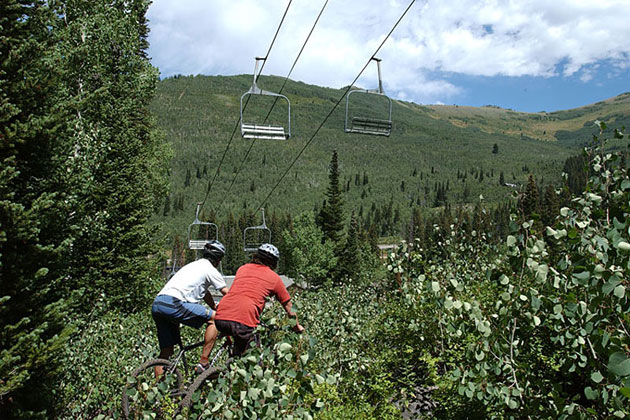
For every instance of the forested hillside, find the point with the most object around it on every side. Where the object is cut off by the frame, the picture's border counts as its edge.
(436, 155)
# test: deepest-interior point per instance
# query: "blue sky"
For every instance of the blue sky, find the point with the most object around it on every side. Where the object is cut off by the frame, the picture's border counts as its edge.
(535, 94)
(527, 55)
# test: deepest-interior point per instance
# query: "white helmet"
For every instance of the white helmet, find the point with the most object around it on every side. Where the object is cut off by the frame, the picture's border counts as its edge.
(270, 251)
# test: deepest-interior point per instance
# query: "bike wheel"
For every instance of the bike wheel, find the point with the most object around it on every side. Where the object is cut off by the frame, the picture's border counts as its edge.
(144, 394)
(199, 389)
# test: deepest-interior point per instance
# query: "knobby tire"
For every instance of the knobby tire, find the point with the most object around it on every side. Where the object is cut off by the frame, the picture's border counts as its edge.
(146, 370)
(206, 376)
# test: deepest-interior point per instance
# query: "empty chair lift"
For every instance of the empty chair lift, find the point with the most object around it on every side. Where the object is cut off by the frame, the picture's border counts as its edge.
(368, 124)
(202, 235)
(250, 130)
(255, 236)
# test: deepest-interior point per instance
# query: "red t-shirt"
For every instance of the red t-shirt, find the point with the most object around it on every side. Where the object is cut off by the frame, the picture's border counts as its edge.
(245, 300)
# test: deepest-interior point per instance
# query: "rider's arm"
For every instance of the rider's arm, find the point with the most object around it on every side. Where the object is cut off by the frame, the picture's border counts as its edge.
(224, 290)
(287, 307)
(210, 301)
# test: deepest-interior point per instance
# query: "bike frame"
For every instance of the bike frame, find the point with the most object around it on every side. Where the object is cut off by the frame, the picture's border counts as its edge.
(181, 355)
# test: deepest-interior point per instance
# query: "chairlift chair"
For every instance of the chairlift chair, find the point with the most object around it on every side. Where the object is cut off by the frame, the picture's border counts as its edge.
(255, 236)
(197, 241)
(369, 125)
(250, 130)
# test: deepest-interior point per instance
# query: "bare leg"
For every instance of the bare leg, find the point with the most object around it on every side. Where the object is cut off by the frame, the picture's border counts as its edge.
(165, 353)
(210, 337)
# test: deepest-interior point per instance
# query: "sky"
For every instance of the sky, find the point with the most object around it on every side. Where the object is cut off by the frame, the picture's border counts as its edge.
(525, 55)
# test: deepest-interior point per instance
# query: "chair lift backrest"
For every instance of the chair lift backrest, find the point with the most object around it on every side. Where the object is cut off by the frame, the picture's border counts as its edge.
(368, 125)
(252, 244)
(262, 131)
(196, 242)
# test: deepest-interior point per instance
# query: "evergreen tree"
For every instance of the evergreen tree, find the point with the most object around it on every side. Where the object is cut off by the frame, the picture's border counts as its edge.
(331, 215)
(35, 200)
(529, 200)
(495, 148)
(121, 163)
(550, 206)
(349, 264)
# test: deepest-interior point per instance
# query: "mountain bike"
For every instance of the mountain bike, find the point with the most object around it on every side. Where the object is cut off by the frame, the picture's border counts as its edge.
(146, 394)
(166, 396)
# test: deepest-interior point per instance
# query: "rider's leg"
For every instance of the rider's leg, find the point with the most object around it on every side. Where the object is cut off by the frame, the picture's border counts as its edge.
(210, 337)
(165, 353)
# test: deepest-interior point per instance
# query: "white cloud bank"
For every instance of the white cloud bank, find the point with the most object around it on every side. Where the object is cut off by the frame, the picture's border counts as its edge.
(471, 37)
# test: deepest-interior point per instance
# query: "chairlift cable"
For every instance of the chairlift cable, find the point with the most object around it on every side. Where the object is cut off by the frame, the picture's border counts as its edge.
(336, 105)
(297, 58)
(276, 99)
(211, 183)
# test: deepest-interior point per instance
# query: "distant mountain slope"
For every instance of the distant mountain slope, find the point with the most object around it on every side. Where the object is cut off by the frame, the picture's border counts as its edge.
(430, 147)
(575, 124)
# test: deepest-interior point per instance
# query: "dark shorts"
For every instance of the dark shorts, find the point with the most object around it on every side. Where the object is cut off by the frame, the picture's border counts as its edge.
(241, 334)
(168, 312)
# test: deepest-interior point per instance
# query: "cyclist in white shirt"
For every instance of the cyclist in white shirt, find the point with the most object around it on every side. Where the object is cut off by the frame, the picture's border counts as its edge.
(179, 301)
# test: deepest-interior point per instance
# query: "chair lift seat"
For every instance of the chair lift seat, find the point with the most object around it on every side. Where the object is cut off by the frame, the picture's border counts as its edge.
(370, 126)
(255, 131)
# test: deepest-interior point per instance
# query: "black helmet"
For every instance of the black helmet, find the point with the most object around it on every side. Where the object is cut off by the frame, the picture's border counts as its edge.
(214, 249)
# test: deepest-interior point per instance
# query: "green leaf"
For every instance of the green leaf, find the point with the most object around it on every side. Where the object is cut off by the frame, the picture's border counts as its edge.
(625, 392)
(623, 246)
(511, 240)
(597, 377)
(435, 286)
(582, 277)
(619, 364)
(620, 291)
(536, 321)
(610, 285)
(590, 393)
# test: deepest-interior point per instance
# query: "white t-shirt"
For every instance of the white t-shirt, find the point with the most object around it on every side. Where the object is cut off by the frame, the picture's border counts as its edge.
(193, 281)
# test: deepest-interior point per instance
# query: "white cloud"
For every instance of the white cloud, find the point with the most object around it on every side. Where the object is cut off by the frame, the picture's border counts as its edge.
(470, 37)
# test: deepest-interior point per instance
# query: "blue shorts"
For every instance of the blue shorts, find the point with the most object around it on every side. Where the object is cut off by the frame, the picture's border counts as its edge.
(168, 312)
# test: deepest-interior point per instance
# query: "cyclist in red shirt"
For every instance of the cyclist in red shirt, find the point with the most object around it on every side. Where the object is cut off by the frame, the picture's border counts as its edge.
(238, 312)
